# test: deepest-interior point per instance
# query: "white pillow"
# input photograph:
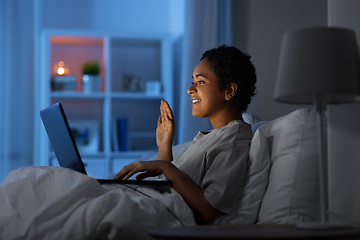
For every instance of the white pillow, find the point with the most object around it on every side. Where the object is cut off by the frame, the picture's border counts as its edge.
(250, 118)
(293, 192)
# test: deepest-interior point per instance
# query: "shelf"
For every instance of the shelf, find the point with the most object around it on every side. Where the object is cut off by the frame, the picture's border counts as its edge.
(75, 40)
(102, 155)
(84, 155)
(115, 95)
(74, 95)
(129, 154)
(132, 95)
(126, 60)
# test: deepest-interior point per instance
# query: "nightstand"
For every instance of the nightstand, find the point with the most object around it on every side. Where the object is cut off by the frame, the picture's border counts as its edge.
(257, 231)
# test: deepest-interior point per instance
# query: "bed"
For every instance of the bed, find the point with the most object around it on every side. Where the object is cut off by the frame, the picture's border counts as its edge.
(58, 203)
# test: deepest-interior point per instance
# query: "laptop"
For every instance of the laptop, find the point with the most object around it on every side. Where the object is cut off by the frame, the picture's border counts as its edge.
(66, 151)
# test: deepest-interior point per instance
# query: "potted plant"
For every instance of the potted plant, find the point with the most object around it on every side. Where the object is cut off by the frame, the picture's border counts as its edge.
(91, 78)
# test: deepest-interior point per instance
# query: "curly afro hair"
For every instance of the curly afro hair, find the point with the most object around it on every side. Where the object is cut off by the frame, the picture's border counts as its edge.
(231, 65)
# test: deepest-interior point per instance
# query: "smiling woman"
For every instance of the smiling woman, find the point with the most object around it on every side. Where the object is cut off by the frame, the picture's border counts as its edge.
(205, 173)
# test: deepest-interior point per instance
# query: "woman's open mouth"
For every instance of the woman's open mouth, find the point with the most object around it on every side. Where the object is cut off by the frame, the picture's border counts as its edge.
(195, 101)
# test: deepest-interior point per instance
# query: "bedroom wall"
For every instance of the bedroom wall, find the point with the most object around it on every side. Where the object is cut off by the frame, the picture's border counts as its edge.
(112, 15)
(139, 15)
(258, 29)
(344, 131)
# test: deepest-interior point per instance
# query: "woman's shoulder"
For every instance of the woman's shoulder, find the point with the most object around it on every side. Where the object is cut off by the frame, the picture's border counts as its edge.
(240, 124)
(234, 135)
(237, 129)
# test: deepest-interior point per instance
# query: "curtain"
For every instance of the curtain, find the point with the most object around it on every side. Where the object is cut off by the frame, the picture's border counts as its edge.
(16, 85)
(207, 25)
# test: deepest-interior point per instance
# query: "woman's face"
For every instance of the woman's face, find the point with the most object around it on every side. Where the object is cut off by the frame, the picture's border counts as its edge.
(207, 99)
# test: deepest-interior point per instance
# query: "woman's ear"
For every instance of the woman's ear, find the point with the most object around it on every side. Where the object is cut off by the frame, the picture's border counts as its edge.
(230, 91)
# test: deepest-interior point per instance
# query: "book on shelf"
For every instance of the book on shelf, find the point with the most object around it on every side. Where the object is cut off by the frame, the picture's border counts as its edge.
(114, 135)
(122, 124)
(124, 140)
(119, 134)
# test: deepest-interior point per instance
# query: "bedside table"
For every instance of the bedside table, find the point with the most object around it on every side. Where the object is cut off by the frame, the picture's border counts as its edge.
(256, 231)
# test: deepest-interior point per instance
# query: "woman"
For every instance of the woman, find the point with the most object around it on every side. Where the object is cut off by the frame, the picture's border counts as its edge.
(210, 173)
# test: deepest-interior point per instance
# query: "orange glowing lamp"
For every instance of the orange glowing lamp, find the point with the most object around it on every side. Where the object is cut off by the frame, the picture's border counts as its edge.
(61, 69)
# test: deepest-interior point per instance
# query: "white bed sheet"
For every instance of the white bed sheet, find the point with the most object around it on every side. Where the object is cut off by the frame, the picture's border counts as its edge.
(58, 203)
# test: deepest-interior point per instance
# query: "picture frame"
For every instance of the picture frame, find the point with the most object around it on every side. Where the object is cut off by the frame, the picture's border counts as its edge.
(132, 83)
(86, 135)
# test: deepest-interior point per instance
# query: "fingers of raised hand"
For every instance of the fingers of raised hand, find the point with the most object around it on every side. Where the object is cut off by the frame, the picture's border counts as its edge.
(168, 111)
(162, 110)
(159, 120)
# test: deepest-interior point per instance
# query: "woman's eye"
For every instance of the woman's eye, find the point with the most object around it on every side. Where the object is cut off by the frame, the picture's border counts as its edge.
(199, 82)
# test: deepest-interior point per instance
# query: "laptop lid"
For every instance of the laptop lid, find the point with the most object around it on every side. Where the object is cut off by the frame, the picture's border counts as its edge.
(61, 138)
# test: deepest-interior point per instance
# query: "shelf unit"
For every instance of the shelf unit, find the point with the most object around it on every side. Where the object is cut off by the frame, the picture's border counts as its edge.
(148, 56)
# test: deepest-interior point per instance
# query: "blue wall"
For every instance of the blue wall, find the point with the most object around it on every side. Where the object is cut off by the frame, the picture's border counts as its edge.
(115, 15)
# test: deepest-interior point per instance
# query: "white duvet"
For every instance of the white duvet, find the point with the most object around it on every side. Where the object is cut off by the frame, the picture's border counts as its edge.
(57, 203)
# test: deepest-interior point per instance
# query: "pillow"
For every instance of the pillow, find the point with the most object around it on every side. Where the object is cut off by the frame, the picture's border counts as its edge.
(255, 126)
(292, 194)
(250, 118)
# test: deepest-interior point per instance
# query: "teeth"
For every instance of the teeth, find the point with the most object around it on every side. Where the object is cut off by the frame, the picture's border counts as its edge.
(195, 101)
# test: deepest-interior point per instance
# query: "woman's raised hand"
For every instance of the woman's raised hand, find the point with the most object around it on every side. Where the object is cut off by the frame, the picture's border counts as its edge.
(165, 131)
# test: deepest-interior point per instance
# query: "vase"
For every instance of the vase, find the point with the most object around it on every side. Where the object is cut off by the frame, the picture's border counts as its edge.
(91, 83)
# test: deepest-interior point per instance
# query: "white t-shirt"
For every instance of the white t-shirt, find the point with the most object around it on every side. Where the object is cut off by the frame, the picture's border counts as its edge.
(216, 162)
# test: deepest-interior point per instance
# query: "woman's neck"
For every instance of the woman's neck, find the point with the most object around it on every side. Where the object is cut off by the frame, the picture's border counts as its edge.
(225, 118)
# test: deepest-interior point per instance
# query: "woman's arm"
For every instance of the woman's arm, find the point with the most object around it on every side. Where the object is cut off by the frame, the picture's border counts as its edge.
(165, 132)
(204, 213)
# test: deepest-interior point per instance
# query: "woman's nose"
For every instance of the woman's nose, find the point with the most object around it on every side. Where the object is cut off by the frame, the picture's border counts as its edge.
(192, 89)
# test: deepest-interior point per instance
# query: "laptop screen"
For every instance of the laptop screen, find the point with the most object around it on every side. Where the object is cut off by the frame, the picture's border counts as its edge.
(61, 138)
